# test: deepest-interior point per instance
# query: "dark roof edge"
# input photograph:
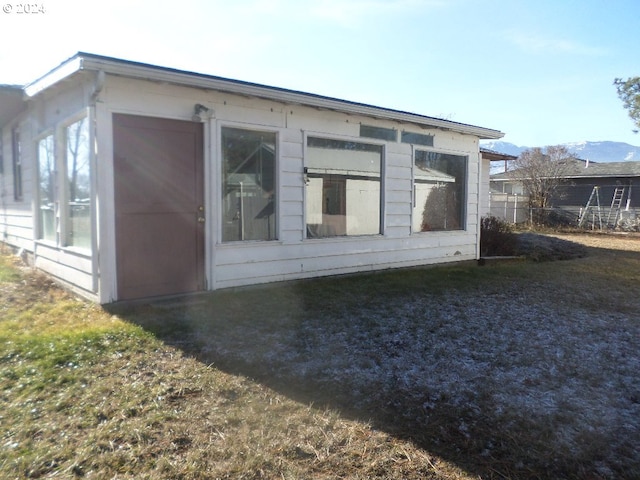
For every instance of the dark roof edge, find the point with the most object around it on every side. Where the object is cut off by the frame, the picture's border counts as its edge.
(494, 155)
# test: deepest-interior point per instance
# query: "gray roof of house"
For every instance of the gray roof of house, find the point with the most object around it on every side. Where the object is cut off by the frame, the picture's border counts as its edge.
(583, 169)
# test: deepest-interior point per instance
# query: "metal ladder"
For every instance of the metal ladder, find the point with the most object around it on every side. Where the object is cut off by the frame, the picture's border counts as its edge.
(616, 202)
(590, 207)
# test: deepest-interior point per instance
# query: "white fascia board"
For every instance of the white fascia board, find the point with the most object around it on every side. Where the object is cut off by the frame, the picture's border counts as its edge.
(59, 73)
(167, 75)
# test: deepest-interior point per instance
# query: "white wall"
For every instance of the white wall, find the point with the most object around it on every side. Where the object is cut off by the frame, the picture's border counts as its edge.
(16, 225)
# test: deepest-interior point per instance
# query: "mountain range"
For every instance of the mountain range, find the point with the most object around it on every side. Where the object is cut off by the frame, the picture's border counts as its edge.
(593, 151)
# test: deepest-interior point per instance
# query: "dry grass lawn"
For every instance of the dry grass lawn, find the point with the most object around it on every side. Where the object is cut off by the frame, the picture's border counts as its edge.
(516, 371)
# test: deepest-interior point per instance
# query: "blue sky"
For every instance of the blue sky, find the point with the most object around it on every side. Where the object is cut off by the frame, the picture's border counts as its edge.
(539, 70)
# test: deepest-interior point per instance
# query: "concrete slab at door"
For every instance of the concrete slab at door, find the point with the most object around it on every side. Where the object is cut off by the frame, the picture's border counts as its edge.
(158, 184)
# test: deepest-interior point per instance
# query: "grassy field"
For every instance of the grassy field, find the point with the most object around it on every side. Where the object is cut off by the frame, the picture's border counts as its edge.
(521, 371)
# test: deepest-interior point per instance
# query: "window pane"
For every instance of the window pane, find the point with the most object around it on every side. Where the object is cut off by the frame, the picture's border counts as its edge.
(417, 139)
(439, 191)
(248, 185)
(78, 185)
(46, 177)
(378, 132)
(16, 156)
(343, 188)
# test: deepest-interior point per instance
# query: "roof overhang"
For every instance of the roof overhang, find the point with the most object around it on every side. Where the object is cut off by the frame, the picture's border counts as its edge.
(494, 156)
(11, 103)
(113, 66)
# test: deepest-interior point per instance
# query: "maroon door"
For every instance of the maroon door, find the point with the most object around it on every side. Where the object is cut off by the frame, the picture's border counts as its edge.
(158, 177)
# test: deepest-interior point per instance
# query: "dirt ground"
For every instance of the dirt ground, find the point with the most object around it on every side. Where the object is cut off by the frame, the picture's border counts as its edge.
(612, 241)
(547, 247)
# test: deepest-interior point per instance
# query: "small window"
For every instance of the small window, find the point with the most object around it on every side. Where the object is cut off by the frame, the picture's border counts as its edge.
(439, 191)
(380, 133)
(417, 139)
(78, 167)
(16, 160)
(47, 225)
(343, 188)
(248, 185)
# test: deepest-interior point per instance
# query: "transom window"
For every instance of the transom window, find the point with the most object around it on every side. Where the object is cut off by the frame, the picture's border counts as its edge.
(248, 185)
(343, 188)
(439, 191)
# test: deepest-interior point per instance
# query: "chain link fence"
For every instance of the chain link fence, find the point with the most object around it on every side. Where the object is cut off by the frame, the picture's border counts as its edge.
(515, 209)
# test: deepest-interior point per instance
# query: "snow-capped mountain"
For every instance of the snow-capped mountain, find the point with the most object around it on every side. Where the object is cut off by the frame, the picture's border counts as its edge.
(592, 151)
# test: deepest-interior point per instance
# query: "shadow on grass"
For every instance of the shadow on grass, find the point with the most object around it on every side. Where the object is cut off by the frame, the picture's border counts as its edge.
(456, 359)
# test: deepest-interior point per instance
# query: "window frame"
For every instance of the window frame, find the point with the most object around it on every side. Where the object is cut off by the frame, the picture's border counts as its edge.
(63, 179)
(61, 182)
(382, 203)
(464, 207)
(39, 227)
(219, 186)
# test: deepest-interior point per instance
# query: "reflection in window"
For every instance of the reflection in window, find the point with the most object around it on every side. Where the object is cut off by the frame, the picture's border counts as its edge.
(16, 160)
(343, 188)
(78, 229)
(439, 191)
(248, 185)
(46, 189)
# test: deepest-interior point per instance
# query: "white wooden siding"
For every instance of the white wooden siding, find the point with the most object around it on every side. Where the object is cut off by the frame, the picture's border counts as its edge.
(16, 217)
(291, 183)
(264, 263)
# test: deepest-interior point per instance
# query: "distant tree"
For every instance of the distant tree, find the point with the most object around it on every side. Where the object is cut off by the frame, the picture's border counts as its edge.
(629, 93)
(541, 173)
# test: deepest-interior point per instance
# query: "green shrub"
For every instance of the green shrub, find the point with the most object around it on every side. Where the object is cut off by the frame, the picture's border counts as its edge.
(496, 237)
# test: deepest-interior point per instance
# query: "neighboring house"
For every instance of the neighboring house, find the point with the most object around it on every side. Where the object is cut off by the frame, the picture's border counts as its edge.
(580, 179)
(126, 180)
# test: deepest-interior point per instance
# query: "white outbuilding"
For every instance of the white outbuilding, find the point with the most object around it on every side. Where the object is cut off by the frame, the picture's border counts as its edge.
(125, 180)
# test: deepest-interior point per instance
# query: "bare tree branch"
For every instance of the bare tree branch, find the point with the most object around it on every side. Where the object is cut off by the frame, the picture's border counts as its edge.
(541, 173)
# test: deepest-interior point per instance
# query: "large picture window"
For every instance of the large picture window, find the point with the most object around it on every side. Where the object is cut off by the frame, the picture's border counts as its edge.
(439, 191)
(343, 188)
(47, 198)
(248, 185)
(78, 227)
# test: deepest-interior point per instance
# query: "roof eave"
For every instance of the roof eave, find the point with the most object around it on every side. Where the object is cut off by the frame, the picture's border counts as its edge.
(62, 71)
(82, 61)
